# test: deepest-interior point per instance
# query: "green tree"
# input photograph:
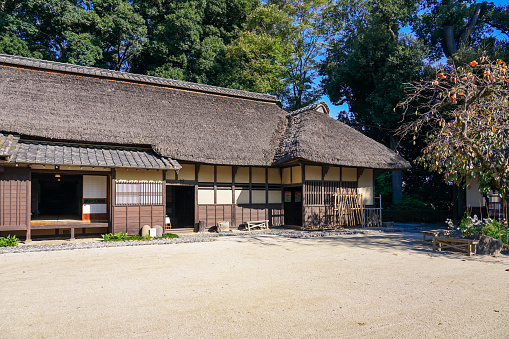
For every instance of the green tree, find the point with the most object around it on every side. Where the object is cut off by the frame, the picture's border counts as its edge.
(308, 38)
(185, 37)
(257, 59)
(452, 26)
(367, 65)
(103, 33)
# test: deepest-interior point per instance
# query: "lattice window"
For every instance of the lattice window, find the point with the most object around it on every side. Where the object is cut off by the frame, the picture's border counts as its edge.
(321, 192)
(139, 193)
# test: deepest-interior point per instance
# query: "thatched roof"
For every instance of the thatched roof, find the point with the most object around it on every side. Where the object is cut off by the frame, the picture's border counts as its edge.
(178, 120)
(53, 66)
(314, 136)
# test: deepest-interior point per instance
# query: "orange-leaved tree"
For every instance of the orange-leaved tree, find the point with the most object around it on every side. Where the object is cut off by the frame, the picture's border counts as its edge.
(463, 114)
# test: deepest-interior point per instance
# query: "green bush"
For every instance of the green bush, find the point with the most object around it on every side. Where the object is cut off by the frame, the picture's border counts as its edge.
(487, 226)
(411, 216)
(411, 202)
(169, 236)
(124, 237)
(115, 237)
(9, 241)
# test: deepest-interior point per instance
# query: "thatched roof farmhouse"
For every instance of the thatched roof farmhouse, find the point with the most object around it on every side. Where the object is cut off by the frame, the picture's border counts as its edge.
(82, 123)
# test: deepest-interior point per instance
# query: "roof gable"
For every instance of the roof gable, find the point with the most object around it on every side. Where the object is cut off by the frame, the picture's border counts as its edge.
(315, 136)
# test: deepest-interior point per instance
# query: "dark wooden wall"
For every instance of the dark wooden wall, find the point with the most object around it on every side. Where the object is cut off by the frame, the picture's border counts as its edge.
(238, 214)
(272, 212)
(130, 219)
(14, 198)
(316, 217)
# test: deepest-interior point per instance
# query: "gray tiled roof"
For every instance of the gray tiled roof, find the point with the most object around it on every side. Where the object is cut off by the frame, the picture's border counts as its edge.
(67, 154)
(312, 107)
(7, 144)
(101, 72)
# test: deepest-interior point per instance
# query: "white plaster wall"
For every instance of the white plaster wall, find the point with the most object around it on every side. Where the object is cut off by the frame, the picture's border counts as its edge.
(474, 197)
(366, 187)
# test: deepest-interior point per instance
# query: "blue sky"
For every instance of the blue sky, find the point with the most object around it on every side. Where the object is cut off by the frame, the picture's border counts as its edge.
(334, 110)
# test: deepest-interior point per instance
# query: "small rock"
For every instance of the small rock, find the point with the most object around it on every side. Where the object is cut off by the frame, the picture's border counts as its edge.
(487, 245)
(159, 231)
(145, 230)
(223, 226)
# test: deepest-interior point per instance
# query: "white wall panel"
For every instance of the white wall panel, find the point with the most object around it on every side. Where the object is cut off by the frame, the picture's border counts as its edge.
(95, 186)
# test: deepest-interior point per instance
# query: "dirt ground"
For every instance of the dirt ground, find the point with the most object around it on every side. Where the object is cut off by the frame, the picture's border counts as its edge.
(262, 286)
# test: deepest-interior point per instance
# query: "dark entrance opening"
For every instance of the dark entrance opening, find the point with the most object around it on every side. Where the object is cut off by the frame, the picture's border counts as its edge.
(56, 196)
(180, 203)
(293, 205)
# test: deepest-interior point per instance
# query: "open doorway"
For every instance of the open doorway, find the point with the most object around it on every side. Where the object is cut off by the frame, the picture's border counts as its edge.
(293, 206)
(56, 196)
(180, 204)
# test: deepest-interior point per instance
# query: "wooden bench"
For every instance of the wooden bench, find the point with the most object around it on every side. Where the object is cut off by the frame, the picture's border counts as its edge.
(433, 233)
(259, 223)
(465, 245)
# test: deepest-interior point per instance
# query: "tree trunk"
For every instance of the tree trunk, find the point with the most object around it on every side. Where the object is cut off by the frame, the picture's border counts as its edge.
(455, 214)
(397, 179)
(465, 35)
(449, 45)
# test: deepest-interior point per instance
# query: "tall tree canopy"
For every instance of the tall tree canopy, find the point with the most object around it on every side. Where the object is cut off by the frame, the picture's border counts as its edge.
(103, 33)
(257, 59)
(453, 26)
(369, 62)
(184, 37)
(308, 38)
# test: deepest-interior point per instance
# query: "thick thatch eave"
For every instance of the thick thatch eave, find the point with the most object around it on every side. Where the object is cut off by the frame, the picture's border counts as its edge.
(314, 136)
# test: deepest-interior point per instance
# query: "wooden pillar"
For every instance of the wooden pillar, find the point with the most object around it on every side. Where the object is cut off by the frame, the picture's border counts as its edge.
(303, 195)
(113, 200)
(215, 185)
(196, 209)
(234, 204)
(267, 214)
(250, 187)
(29, 203)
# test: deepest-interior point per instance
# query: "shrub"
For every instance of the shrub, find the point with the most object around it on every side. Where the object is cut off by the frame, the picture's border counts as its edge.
(115, 237)
(412, 216)
(410, 202)
(169, 236)
(9, 241)
(487, 226)
(124, 237)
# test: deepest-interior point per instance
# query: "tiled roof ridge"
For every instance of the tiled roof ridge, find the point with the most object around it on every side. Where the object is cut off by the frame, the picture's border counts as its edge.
(87, 145)
(312, 107)
(7, 144)
(61, 153)
(94, 71)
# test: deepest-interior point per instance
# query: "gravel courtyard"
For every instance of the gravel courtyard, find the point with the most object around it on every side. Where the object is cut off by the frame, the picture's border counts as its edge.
(258, 286)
